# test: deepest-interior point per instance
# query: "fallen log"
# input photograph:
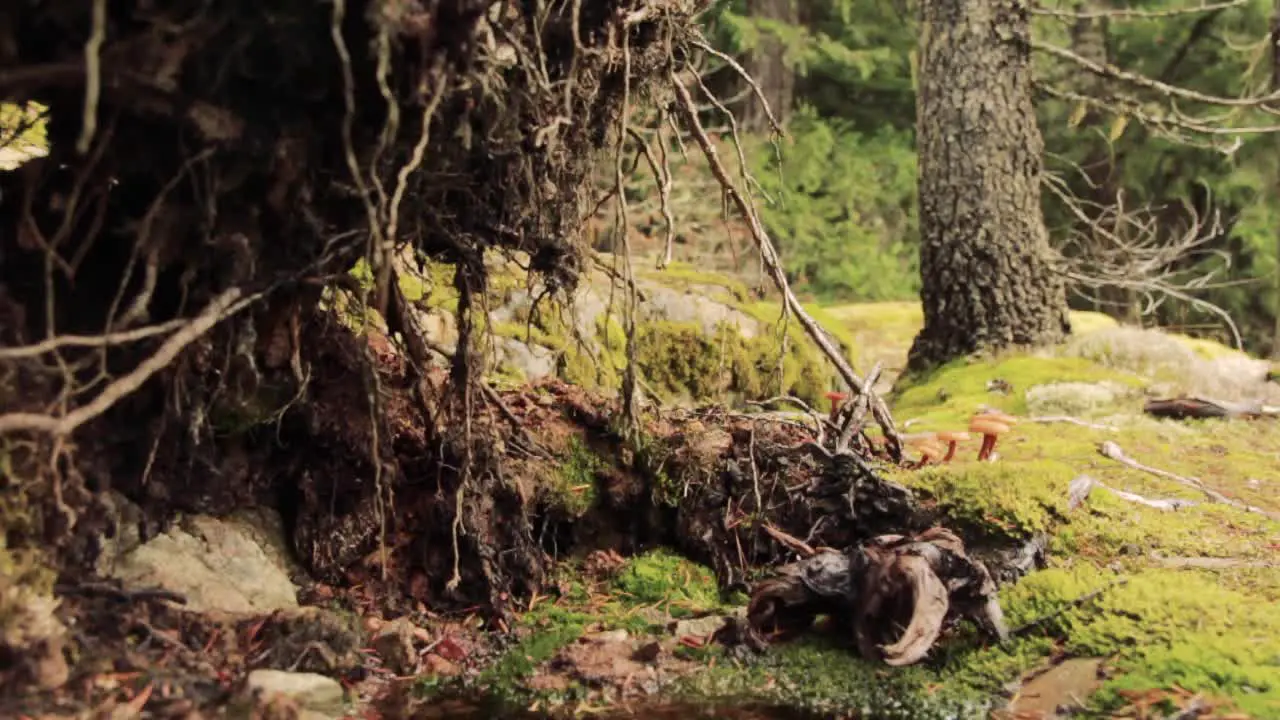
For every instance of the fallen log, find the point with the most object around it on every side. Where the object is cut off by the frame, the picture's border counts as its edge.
(1197, 408)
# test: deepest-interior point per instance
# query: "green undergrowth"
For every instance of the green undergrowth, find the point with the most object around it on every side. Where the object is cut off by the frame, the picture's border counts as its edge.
(573, 489)
(27, 602)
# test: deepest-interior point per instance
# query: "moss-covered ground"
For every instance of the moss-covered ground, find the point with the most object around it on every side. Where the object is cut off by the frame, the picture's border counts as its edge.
(1189, 600)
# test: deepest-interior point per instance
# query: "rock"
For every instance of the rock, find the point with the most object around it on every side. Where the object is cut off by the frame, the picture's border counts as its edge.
(533, 362)
(394, 644)
(266, 528)
(440, 329)
(215, 564)
(316, 694)
(681, 306)
(1074, 398)
(698, 627)
(609, 636)
(48, 664)
(126, 519)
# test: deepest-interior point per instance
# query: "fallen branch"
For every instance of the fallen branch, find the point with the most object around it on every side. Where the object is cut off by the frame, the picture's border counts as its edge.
(1109, 449)
(769, 257)
(1082, 486)
(1196, 408)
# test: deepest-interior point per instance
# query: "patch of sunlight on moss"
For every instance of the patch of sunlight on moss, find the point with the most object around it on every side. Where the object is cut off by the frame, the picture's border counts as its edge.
(1208, 349)
(953, 392)
(669, 581)
(684, 275)
(999, 500)
(23, 133)
(827, 676)
(1084, 322)
(1164, 628)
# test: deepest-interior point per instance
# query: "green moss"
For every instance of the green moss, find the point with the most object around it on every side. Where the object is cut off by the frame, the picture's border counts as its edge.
(951, 394)
(684, 275)
(26, 581)
(1165, 628)
(670, 582)
(826, 676)
(1001, 500)
(23, 133)
(573, 490)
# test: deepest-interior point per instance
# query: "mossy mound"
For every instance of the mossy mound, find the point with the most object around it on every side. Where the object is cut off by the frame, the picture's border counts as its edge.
(1196, 610)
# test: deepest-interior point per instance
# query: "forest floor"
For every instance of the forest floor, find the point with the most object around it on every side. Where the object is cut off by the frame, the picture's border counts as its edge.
(1139, 610)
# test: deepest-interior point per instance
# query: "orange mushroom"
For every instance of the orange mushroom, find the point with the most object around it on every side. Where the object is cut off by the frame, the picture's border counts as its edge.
(837, 401)
(927, 445)
(951, 438)
(991, 430)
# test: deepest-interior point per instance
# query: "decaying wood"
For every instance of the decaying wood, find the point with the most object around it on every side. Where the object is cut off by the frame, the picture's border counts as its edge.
(923, 583)
(1197, 408)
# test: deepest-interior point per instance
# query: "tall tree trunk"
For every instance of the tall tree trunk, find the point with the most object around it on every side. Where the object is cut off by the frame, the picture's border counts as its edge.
(766, 65)
(987, 269)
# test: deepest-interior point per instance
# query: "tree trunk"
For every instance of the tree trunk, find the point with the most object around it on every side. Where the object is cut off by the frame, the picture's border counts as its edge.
(766, 65)
(987, 269)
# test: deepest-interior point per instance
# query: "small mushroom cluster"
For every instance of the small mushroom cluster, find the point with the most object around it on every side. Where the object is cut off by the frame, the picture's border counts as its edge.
(989, 424)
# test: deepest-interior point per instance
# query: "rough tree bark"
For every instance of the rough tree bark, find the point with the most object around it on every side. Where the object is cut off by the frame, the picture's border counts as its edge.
(987, 269)
(766, 64)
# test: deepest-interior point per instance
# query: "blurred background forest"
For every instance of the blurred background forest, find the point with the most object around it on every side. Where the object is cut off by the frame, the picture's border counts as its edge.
(841, 185)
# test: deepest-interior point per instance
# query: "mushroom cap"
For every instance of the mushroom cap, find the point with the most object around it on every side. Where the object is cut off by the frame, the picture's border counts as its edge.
(836, 395)
(987, 426)
(930, 449)
(953, 436)
(916, 439)
(998, 417)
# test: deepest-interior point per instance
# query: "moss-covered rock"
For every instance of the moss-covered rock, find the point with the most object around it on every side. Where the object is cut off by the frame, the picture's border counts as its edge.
(699, 336)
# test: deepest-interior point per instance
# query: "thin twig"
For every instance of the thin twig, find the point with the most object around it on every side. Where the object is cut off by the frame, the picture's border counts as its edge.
(221, 308)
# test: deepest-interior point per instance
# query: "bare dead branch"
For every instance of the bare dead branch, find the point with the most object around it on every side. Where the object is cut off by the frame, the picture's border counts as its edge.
(1111, 72)
(769, 257)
